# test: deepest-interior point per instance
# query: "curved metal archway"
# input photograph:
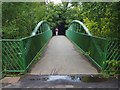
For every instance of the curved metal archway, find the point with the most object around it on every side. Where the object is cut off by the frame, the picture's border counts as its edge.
(78, 26)
(41, 27)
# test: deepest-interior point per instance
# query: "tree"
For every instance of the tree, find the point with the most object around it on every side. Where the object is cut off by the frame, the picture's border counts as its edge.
(101, 18)
(19, 19)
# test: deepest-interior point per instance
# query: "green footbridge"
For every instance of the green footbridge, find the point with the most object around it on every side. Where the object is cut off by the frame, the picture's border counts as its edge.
(18, 55)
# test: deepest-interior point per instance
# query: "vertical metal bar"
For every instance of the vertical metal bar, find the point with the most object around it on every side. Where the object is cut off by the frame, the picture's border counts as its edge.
(104, 58)
(23, 54)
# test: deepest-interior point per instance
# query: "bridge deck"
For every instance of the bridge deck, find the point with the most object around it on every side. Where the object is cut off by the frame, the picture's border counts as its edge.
(61, 57)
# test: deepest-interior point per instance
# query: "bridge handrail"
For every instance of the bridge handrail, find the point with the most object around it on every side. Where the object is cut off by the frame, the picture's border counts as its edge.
(19, 54)
(99, 50)
(40, 25)
(80, 23)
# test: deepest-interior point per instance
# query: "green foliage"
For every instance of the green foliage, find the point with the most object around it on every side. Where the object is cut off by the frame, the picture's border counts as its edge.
(19, 19)
(112, 67)
(101, 18)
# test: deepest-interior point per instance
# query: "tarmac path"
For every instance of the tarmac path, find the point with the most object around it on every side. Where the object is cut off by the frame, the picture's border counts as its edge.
(61, 57)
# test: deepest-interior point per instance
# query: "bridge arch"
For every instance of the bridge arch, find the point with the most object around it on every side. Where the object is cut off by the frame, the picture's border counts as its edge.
(78, 26)
(41, 27)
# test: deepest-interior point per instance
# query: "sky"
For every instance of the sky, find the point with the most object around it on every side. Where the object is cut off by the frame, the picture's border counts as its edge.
(56, 1)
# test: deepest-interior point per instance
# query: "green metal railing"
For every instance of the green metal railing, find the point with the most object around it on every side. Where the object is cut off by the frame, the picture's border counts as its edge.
(18, 54)
(12, 59)
(113, 55)
(99, 50)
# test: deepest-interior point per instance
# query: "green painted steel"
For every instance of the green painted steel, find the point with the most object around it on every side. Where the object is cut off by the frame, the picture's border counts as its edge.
(18, 54)
(41, 27)
(98, 50)
(12, 56)
(78, 26)
(31, 46)
(113, 55)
